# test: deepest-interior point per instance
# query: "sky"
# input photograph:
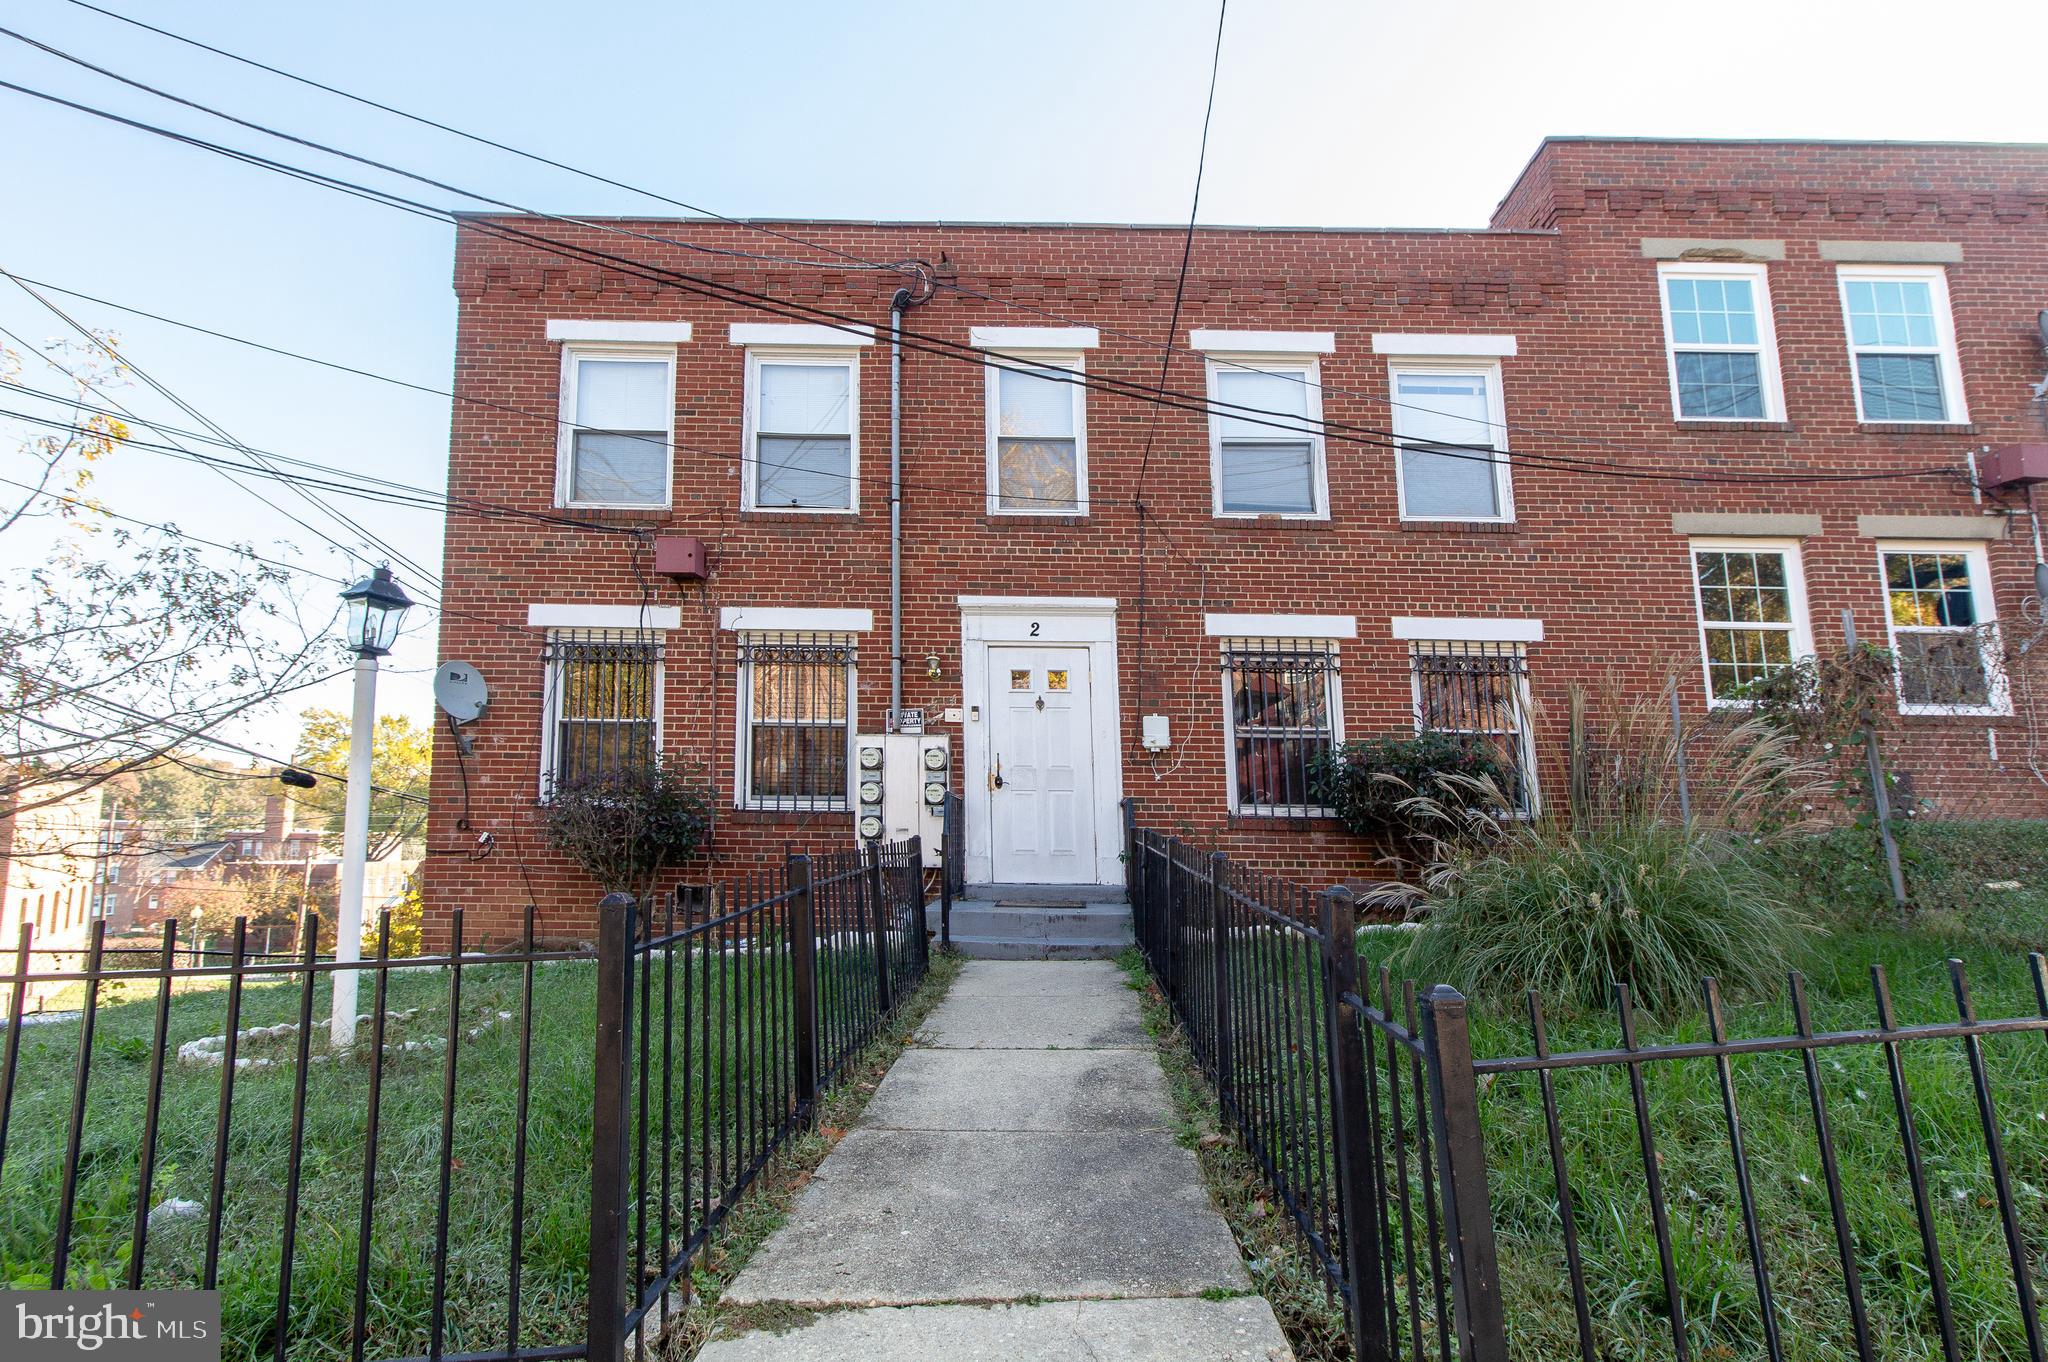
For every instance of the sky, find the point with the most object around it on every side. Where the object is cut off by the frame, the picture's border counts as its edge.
(1333, 114)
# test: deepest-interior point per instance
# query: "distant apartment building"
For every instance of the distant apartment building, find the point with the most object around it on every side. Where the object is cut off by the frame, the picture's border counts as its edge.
(1688, 404)
(50, 867)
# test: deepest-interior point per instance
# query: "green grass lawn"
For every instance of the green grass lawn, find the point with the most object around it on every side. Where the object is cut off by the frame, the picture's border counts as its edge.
(1625, 1287)
(1955, 915)
(558, 1154)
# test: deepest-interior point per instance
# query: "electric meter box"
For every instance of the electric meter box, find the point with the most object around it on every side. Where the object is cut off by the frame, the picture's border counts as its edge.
(900, 784)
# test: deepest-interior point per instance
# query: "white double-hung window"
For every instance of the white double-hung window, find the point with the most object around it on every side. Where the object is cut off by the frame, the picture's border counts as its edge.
(1266, 436)
(1722, 348)
(1452, 463)
(1037, 435)
(1751, 598)
(1902, 344)
(802, 428)
(617, 425)
(1943, 627)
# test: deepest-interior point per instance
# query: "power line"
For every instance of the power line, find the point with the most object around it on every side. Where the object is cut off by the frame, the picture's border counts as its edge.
(852, 260)
(1180, 283)
(958, 351)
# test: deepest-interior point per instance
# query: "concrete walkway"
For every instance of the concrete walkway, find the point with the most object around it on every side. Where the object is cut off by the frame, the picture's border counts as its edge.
(1013, 1191)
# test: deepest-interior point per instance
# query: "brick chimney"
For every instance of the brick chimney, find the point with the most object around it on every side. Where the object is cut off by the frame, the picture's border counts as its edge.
(277, 823)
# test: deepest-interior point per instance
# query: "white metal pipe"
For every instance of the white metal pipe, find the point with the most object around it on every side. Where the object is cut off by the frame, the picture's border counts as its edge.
(355, 851)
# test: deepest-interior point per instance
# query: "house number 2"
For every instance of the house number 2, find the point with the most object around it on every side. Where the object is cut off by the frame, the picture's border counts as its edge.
(1034, 628)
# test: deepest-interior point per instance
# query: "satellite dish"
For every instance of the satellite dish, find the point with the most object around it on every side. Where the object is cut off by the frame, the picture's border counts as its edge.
(459, 688)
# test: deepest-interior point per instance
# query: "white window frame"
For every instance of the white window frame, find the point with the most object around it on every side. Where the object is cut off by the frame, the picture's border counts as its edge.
(750, 464)
(1766, 348)
(1531, 777)
(1998, 691)
(1497, 423)
(1800, 628)
(1230, 645)
(743, 738)
(1026, 361)
(566, 427)
(1936, 277)
(1294, 365)
(553, 690)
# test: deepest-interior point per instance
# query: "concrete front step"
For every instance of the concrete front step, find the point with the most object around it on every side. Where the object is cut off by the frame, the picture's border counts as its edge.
(1014, 929)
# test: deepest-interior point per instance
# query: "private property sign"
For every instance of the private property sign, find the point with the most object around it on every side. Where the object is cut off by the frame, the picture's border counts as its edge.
(121, 1326)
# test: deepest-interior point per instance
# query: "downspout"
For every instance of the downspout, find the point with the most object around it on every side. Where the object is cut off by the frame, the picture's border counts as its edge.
(905, 299)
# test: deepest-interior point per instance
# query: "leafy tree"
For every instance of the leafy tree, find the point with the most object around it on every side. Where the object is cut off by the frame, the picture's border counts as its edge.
(122, 645)
(401, 756)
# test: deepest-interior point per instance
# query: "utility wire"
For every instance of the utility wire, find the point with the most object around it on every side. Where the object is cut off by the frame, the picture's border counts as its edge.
(959, 351)
(1180, 283)
(908, 269)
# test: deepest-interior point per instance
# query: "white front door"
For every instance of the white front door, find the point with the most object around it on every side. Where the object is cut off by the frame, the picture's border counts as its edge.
(1041, 769)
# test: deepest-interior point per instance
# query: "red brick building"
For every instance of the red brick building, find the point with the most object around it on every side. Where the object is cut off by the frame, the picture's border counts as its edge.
(1400, 476)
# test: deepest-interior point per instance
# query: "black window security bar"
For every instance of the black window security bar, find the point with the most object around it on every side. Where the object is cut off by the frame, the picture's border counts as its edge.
(1480, 690)
(796, 695)
(1282, 717)
(601, 701)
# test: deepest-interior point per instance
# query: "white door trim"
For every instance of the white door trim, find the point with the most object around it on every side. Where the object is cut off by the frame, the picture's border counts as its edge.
(1063, 622)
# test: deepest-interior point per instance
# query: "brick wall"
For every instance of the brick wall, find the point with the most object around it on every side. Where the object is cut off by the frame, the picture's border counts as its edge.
(1596, 558)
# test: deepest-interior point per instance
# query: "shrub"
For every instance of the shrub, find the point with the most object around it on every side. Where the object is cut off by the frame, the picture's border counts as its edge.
(1568, 912)
(626, 826)
(1407, 789)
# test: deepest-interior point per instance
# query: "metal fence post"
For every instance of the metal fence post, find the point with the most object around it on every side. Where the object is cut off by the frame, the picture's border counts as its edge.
(878, 914)
(946, 873)
(1461, 1169)
(1129, 806)
(1219, 978)
(913, 892)
(1880, 795)
(1364, 1249)
(803, 968)
(608, 1130)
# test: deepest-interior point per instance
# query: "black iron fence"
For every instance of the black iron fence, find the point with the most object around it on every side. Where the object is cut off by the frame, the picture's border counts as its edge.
(1365, 1106)
(520, 1154)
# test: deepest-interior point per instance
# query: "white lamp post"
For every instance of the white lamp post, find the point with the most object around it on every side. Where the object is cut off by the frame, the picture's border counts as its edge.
(376, 607)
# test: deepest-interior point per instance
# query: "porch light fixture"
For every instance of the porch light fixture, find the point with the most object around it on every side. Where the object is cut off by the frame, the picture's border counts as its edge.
(376, 608)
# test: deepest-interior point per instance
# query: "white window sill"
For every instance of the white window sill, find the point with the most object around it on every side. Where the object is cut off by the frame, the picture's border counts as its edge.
(801, 510)
(643, 506)
(1457, 520)
(1068, 512)
(1254, 517)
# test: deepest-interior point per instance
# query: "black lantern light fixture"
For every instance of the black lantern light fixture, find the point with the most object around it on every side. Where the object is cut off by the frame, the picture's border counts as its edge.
(376, 608)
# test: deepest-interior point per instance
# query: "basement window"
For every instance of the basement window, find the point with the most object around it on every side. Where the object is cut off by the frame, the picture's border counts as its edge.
(1283, 709)
(1480, 690)
(795, 731)
(617, 426)
(603, 704)
(802, 450)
